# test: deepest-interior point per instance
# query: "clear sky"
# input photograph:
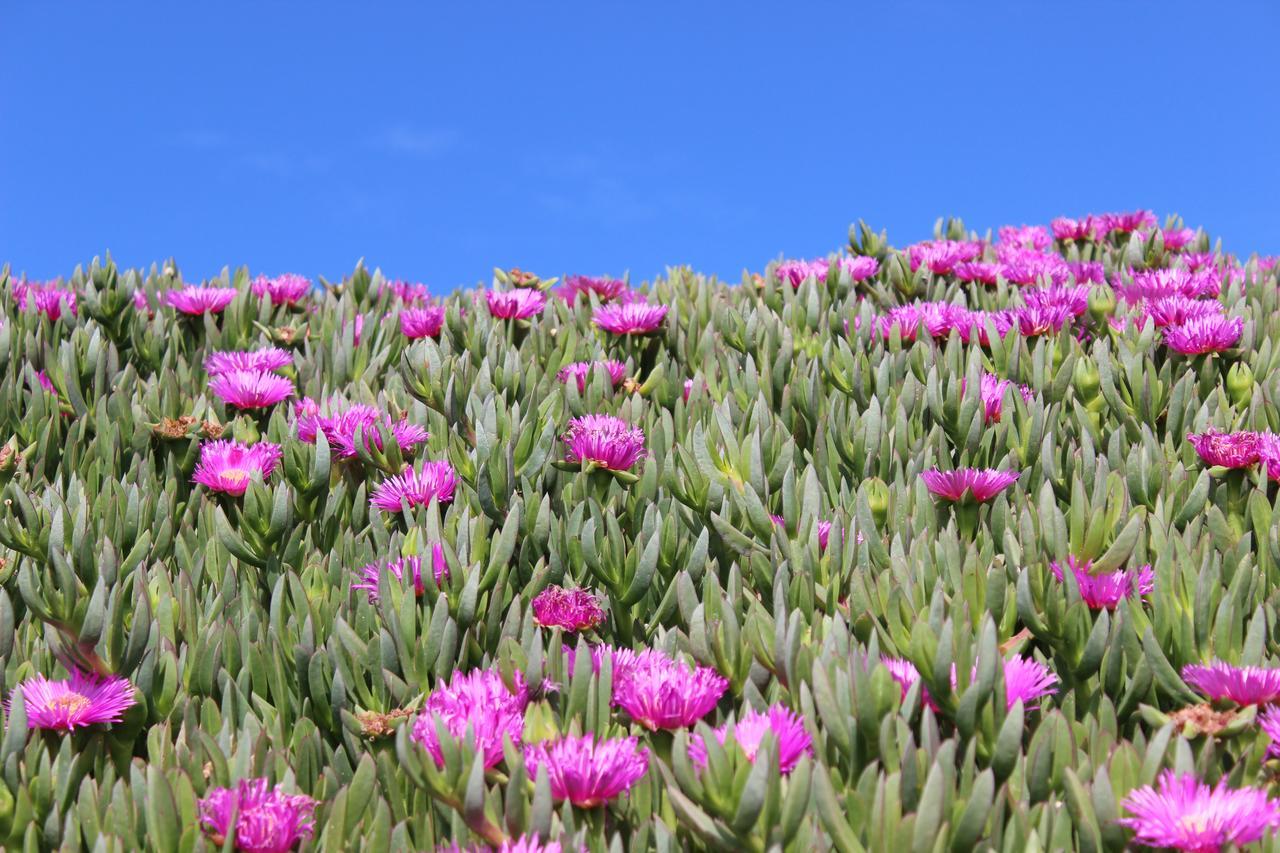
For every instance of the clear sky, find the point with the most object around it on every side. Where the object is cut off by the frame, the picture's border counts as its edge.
(440, 140)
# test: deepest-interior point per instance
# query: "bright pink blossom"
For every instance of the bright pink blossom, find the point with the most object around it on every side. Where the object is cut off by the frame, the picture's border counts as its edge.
(425, 322)
(982, 483)
(791, 739)
(582, 371)
(630, 318)
(287, 289)
(268, 359)
(372, 573)
(1106, 590)
(416, 487)
(227, 466)
(195, 300)
(1244, 685)
(570, 609)
(661, 693)
(585, 771)
(604, 440)
(251, 389)
(580, 287)
(267, 820)
(83, 699)
(1202, 335)
(479, 702)
(519, 304)
(1183, 813)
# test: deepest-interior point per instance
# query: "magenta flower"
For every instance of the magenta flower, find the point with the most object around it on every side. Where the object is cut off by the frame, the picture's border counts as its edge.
(1075, 298)
(1046, 320)
(1244, 685)
(370, 574)
(251, 389)
(1106, 590)
(357, 328)
(1088, 228)
(581, 371)
(287, 289)
(340, 428)
(982, 483)
(140, 301)
(1227, 449)
(905, 673)
(519, 304)
(941, 256)
(416, 487)
(1125, 223)
(992, 392)
(263, 360)
(793, 741)
(1269, 454)
(661, 693)
(1025, 679)
(1087, 272)
(585, 771)
(523, 844)
(1212, 333)
(1161, 283)
(939, 319)
(1185, 814)
(1178, 310)
(49, 299)
(857, 268)
(1177, 238)
(1026, 236)
(46, 383)
(630, 318)
(984, 272)
(407, 292)
(580, 287)
(570, 609)
(688, 389)
(83, 699)
(605, 441)
(267, 820)
(1200, 260)
(824, 531)
(196, 300)
(227, 466)
(478, 701)
(424, 322)
(1269, 722)
(1026, 266)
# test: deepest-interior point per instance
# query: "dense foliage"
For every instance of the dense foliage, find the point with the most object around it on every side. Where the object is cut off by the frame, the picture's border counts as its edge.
(680, 565)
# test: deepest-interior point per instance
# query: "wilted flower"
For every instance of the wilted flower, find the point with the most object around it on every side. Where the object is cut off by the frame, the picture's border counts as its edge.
(251, 389)
(793, 741)
(425, 322)
(607, 441)
(585, 771)
(370, 574)
(416, 487)
(576, 287)
(570, 609)
(1026, 236)
(1244, 685)
(1226, 449)
(982, 483)
(581, 371)
(478, 701)
(227, 466)
(271, 358)
(519, 304)
(630, 318)
(83, 699)
(267, 820)
(941, 256)
(287, 289)
(196, 300)
(1213, 333)
(1105, 591)
(340, 428)
(1185, 814)
(661, 693)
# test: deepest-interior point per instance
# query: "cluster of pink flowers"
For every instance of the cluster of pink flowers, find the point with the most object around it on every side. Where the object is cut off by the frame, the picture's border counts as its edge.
(588, 771)
(992, 394)
(416, 487)
(287, 289)
(262, 360)
(264, 819)
(1239, 449)
(227, 466)
(195, 300)
(423, 322)
(661, 693)
(581, 371)
(251, 389)
(1025, 680)
(604, 441)
(409, 293)
(570, 609)
(982, 484)
(630, 318)
(787, 727)
(1105, 591)
(82, 699)
(412, 566)
(344, 423)
(47, 298)
(478, 702)
(519, 304)
(856, 268)
(940, 257)
(581, 287)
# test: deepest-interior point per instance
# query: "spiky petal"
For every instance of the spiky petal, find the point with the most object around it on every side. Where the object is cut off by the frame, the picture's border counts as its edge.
(479, 701)
(607, 441)
(268, 359)
(1227, 449)
(585, 771)
(1201, 335)
(227, 466)
(1183, 813)
(570, 609)
(582, 371)
(251, 389)
(425, 322)
(82, 699)
(580, 287)
(519, 304)
(1105, 591)
(661, 693)
(1244, 685)
(791, 737)
(372, 573)
(416, 487)
(630, 318)
(195, 300)
(287, 289)
(267, 820)
(982, 483)
(340, 428)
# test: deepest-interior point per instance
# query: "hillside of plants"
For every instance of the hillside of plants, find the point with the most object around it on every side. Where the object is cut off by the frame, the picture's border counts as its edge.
(968, 544)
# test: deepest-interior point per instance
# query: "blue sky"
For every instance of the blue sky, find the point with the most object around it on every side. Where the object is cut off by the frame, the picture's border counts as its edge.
(438, 141)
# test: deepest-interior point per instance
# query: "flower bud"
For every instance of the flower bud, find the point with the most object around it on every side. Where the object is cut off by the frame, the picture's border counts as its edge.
(1102, 302)
(8, 461)
(878, 499)
(1086, 379)
(1240, 384)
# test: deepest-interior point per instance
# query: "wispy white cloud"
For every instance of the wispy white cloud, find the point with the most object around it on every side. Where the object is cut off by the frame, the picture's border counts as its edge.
(417, 142)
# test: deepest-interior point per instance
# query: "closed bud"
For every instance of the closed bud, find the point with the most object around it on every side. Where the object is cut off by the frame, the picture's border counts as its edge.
(1240, 384)
(1085, 378)
(878, 499)
(1102, 302)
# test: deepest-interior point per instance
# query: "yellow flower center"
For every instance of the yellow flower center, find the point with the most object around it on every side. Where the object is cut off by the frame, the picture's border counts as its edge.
(235, 475)
(71, 703)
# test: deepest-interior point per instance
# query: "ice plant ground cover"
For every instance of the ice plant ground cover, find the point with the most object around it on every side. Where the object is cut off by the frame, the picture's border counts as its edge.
(682, 564)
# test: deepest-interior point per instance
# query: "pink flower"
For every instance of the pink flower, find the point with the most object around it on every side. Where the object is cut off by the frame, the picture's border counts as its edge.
(357, 328)
(1212, 333)
(580, 287)
(1074, 298)
(939, 319)
(980, 271)
(519, 304)
(1227, 449)
(478, 701)
(1025, 680)
(661, 693)
(370, 574)
(416, 487)
(426, 322)
(1105, 591)
(140, 301)
(992, 393)
(287, 289)
(1125, 223)
(581, 371)
(341, 426)
(1026, 236)
(263, 360)
(982, 483)
(1088, 228)
(604, 440)
(1269, 722)
(630, 318)
(196, 300)
(688, 389)
(1177, 238)
(1200, 260)
(1160, 283)
(83, 699)
(905, 673)
(1178, 310)
(46, 383)
(585, 771)
(824, 531)
(1043, 320)
(1244, 685)
(1086, 272)
(791, 738)
(406, 292)
(857, 268)
(1269, 454)
(941, 256)
(1185, 814)
(267, 820)
(48, 299)
(227, 466)
(570, 609)
(1026, 266)
(251, 389)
